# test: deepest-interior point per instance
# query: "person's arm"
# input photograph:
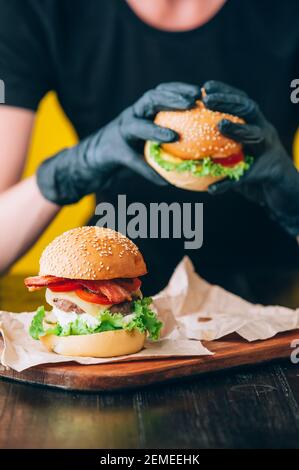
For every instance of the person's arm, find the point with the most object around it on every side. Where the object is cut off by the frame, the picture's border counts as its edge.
(24, 212)
(27, 208)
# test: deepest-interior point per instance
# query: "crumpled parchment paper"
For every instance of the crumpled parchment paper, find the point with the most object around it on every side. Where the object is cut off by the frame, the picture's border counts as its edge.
(191, 309)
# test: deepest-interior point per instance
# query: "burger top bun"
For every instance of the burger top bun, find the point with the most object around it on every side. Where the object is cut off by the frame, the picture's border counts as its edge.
(198, 132)
(92, 253)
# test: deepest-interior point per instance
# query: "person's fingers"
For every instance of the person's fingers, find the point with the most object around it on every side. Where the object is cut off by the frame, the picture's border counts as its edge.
(234, 104)
(138, 165)
(244, 133)
(146, 130)
(182, 88)
(221, 187)
(213, 86)
(154, 101)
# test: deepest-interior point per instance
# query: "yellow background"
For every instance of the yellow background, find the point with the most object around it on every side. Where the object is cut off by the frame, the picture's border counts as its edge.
(53, 132)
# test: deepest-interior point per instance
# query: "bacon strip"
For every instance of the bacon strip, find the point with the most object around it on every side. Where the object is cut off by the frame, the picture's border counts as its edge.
(115, 293)
(39, 282)
(115, 290)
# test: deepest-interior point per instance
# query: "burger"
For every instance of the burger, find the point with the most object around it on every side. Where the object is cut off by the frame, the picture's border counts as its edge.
(202, 155)
(91, 276)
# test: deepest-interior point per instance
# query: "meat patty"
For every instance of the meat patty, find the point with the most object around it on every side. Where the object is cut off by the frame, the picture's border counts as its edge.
(67, 306)
(125, 308)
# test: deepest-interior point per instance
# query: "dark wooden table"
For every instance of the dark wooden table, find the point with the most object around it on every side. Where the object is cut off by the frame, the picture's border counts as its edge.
(254, 407)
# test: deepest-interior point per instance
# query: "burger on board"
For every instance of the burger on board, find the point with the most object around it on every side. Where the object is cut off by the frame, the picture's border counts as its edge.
(202, 155)
(91, 276)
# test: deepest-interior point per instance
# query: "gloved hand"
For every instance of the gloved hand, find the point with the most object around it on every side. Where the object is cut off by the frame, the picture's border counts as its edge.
(91, 165)
(273, 180)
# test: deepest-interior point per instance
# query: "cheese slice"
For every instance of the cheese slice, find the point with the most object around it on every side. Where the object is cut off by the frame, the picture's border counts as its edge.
(170, 158)
(91, 309)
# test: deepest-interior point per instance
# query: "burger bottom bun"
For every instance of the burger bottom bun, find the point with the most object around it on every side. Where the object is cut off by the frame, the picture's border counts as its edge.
(106, 344)
(184, 180)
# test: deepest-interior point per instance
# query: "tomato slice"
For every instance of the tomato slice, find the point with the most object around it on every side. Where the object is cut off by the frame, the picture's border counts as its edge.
(92, 298)
(231, 160)
(65, 286)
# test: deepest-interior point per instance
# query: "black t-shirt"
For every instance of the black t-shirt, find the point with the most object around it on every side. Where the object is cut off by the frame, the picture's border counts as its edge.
(100, 57)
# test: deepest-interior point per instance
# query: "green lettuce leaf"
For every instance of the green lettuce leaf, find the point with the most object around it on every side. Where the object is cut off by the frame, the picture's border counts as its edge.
(77, 327)
(110, 321)
(37, 330)
(144, 320)
(205, 167)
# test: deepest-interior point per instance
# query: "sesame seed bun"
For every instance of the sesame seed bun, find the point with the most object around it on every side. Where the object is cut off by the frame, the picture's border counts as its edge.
(199, 136)
(106, 344)
(185, 180)
(92, 253)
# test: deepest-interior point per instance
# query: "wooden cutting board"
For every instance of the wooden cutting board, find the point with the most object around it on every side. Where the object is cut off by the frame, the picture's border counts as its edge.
(230, 351)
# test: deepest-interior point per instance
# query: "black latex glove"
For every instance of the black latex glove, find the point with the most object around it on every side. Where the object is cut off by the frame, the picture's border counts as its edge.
(91, 165)
(273, 180)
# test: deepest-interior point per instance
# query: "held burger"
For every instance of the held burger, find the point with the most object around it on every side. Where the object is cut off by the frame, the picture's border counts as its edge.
(202, 155)
(91, 276)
